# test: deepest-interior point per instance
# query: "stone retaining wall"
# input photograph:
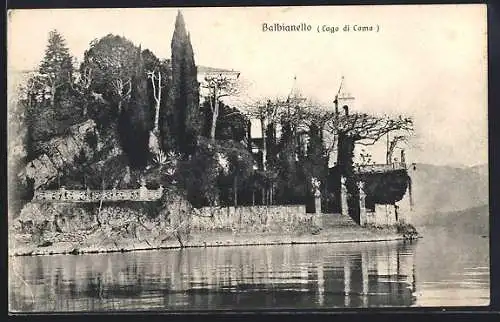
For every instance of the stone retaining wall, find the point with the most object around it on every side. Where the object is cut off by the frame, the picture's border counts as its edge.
(384, 215)
(253, 218)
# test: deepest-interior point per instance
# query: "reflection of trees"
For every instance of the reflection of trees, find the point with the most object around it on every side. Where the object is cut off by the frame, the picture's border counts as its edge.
(207, 278)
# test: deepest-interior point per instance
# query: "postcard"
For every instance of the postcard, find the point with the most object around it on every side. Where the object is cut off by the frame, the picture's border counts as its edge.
(247, 158)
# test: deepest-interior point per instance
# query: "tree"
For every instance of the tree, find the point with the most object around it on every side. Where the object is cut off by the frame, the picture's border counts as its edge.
(392, 145)
(286, 163)
(111, 62)
(280, 155)
(157, 72)
(315, 152)
(362, 129)
(219, 86)
(23, 113)
(198, 175)
(180, 117)
(56, 68)
(268, 114)
(18, 145)
(120, 86)
(240, 165)
(81, 86)
(294, 117)
(232, 124)
(158, 78)
(135, 120)
(51, 107)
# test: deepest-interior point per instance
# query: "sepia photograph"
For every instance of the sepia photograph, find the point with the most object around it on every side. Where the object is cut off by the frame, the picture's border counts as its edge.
(247, 158)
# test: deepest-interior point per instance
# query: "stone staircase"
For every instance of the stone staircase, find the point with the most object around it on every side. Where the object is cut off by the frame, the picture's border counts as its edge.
(337, 220)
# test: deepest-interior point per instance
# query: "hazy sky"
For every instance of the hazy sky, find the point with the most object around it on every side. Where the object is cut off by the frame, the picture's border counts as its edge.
(428, 62)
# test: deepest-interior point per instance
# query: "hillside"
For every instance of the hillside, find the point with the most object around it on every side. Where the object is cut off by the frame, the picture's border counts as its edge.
(447, 189)
(473, 220)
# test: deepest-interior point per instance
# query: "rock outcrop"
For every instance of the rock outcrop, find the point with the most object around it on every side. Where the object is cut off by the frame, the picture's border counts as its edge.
(115, 225)
(81, 143)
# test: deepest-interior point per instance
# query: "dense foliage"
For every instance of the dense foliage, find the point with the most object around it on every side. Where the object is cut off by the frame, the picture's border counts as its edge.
(50, 105)
(231, 124)
(135, 118)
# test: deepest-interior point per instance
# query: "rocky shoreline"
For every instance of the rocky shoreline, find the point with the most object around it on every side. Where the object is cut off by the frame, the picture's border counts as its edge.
(66, 228)
(330, 236)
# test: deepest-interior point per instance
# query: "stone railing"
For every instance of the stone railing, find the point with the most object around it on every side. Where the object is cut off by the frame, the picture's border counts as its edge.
(63, 195)
(380, 167)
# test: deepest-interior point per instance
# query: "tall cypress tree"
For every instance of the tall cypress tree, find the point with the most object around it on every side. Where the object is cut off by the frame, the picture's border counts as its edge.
(135, 120)
(181, 116)
(192, 87)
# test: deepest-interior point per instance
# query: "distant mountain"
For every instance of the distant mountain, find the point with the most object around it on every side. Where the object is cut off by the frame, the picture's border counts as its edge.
(473, 220)
(208, 69)
(445, 189)
(482, 169)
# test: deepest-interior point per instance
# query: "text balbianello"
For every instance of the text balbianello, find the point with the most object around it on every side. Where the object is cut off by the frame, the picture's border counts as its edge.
(286, 27)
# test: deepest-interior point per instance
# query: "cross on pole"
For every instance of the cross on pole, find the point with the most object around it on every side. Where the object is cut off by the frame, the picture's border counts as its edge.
(341, 96)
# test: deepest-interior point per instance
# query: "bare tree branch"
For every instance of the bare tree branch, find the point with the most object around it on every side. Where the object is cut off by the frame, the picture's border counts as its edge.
(367, 129)
(84, 82)
(219, 86)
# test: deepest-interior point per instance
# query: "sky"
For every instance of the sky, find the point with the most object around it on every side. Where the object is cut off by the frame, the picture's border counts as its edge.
(428, 62)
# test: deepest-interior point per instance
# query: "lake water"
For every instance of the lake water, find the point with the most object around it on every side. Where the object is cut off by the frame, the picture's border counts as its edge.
(442, 269)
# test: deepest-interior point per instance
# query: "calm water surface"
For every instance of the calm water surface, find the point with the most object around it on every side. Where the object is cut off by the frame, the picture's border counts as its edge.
(443, 269)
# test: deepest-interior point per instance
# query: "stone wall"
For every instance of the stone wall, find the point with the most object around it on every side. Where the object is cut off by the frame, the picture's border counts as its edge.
(252, 218)
(384, 215)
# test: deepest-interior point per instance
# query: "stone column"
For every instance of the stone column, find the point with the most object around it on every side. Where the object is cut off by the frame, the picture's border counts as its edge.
(317, 202)
(362, 205)
(343, 197)
(62, 193)
(143, 191)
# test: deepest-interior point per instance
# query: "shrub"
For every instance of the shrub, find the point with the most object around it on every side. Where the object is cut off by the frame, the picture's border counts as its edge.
(91, 139)
(407, 230)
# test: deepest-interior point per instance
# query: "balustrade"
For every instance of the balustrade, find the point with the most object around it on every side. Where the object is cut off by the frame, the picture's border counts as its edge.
(141, 194)
(381, 167)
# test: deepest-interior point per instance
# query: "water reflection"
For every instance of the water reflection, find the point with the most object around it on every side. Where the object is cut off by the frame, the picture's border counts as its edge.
(294, 276)
(452, 268)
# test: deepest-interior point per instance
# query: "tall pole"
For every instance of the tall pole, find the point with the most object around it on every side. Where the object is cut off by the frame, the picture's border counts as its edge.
(337, 97)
